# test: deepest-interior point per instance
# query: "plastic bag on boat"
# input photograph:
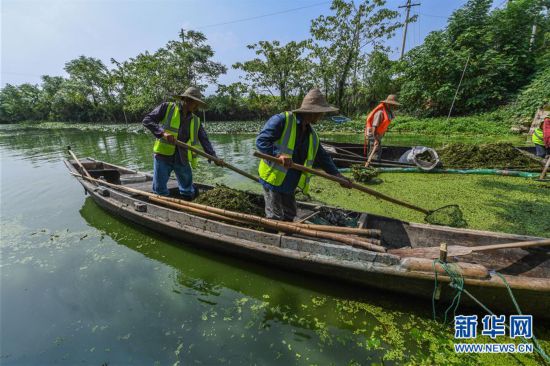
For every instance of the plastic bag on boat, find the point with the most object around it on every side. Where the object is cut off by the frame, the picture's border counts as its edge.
(424, 157)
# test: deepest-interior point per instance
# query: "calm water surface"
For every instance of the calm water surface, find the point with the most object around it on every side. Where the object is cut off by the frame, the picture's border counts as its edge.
(79, 286)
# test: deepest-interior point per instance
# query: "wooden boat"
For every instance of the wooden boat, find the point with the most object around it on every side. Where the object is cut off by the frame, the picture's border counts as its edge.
(346, 154)
(526, 271)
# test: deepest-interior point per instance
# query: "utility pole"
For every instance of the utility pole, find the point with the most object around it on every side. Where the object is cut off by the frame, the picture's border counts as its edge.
(408, 5)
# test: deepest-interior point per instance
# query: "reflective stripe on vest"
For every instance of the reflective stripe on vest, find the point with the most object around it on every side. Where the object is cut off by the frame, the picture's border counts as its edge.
(275, 174)
(538, 137)
(313, 147)
(171, 124)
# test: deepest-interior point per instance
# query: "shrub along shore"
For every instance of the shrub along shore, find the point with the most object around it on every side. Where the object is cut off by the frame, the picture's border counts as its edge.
(489, 124)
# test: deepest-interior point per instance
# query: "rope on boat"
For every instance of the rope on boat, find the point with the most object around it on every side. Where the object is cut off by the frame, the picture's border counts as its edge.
(457, 283)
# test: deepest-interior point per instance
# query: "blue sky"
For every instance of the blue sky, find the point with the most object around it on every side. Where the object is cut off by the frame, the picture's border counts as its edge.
(39, 36)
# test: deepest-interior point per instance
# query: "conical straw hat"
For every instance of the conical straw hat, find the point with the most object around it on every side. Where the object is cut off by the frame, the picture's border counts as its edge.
(315, 102)
(192, 93)
(391, 99)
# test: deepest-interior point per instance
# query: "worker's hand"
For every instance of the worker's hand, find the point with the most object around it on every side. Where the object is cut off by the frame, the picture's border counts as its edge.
(346, 182)
(218, 162)
(170, 138)
(286, 160)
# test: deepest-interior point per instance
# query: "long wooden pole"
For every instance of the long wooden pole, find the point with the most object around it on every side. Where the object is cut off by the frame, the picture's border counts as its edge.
(343, 181)
(219, 161)
(545, 169)
(371, 233)
(458, 250)
(78, 162)
(377, 162)
(272, 224)
(519, 244)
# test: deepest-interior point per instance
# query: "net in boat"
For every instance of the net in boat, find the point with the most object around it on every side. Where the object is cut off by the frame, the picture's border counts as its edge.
(450, 215)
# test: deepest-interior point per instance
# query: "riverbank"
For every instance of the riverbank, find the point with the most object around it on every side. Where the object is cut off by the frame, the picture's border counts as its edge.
(488, 124)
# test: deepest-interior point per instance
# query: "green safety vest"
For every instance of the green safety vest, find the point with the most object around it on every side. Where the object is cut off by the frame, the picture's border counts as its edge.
(171, 124)
(275, 174)
(537, 137)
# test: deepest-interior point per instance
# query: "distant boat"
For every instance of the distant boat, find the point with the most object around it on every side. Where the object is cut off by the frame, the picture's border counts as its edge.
(340, 119)
(347, 154)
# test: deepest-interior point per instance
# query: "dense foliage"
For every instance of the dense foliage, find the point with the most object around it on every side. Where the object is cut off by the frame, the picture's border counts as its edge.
(499, 48)
(503, 55)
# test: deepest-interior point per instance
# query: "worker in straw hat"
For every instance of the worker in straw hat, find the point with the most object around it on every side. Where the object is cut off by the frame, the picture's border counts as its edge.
(376, 125)
(173, 121)
(290, 137)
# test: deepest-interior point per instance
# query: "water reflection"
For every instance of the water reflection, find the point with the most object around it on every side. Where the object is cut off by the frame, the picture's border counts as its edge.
(289, 309)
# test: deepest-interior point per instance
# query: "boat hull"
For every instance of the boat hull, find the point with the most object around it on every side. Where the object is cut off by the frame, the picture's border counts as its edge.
(341, 263)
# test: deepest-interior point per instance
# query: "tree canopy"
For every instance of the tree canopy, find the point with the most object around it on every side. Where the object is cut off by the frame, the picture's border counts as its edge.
(503, 55)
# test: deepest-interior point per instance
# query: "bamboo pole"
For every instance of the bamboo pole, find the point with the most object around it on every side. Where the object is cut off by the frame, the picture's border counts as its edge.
(545, 169)
(78, 162)
(215, 159)
(343, 181)
(271, 224)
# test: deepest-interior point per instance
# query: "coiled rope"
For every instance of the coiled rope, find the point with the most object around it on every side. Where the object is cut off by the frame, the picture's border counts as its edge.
(457, 283)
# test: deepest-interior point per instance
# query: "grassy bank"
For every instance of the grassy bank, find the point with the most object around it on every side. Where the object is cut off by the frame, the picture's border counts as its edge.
(489, 124)
(507, 204)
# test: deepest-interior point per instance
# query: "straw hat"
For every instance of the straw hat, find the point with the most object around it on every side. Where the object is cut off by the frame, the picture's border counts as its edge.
(315, 102)
(192, 93)
(391, 99)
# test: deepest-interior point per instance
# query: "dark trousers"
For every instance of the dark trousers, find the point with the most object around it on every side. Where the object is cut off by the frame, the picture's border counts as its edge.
(279, 206)
(541, 151)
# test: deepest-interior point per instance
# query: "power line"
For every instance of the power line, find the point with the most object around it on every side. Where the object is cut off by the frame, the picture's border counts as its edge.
(262, 16)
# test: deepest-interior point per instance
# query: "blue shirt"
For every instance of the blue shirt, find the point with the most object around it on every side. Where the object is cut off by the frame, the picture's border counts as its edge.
(272, 132)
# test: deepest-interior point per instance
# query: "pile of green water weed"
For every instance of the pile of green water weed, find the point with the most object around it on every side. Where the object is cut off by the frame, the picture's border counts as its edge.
(364, 174)
(231, 199)
(495, 155)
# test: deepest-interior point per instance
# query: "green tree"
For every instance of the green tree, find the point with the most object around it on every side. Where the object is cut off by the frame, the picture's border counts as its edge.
(282, 68)
(20, 103)
(339, 40)
(502, 58)
(150, 78)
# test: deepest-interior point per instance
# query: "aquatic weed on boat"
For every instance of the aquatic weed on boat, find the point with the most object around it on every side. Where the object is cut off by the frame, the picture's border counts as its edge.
(498, 155)
(231, 199)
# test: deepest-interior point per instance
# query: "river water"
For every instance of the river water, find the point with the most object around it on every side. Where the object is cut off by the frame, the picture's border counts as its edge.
(79, 286)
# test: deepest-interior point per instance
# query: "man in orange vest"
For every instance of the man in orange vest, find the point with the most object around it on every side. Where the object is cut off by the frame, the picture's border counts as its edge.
(376, 125)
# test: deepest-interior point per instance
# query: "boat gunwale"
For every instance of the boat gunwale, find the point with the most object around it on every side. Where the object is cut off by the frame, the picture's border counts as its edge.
(396, 269)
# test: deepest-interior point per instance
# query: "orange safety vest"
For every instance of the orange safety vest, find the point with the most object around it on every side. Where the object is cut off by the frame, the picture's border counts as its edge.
(381, 128)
